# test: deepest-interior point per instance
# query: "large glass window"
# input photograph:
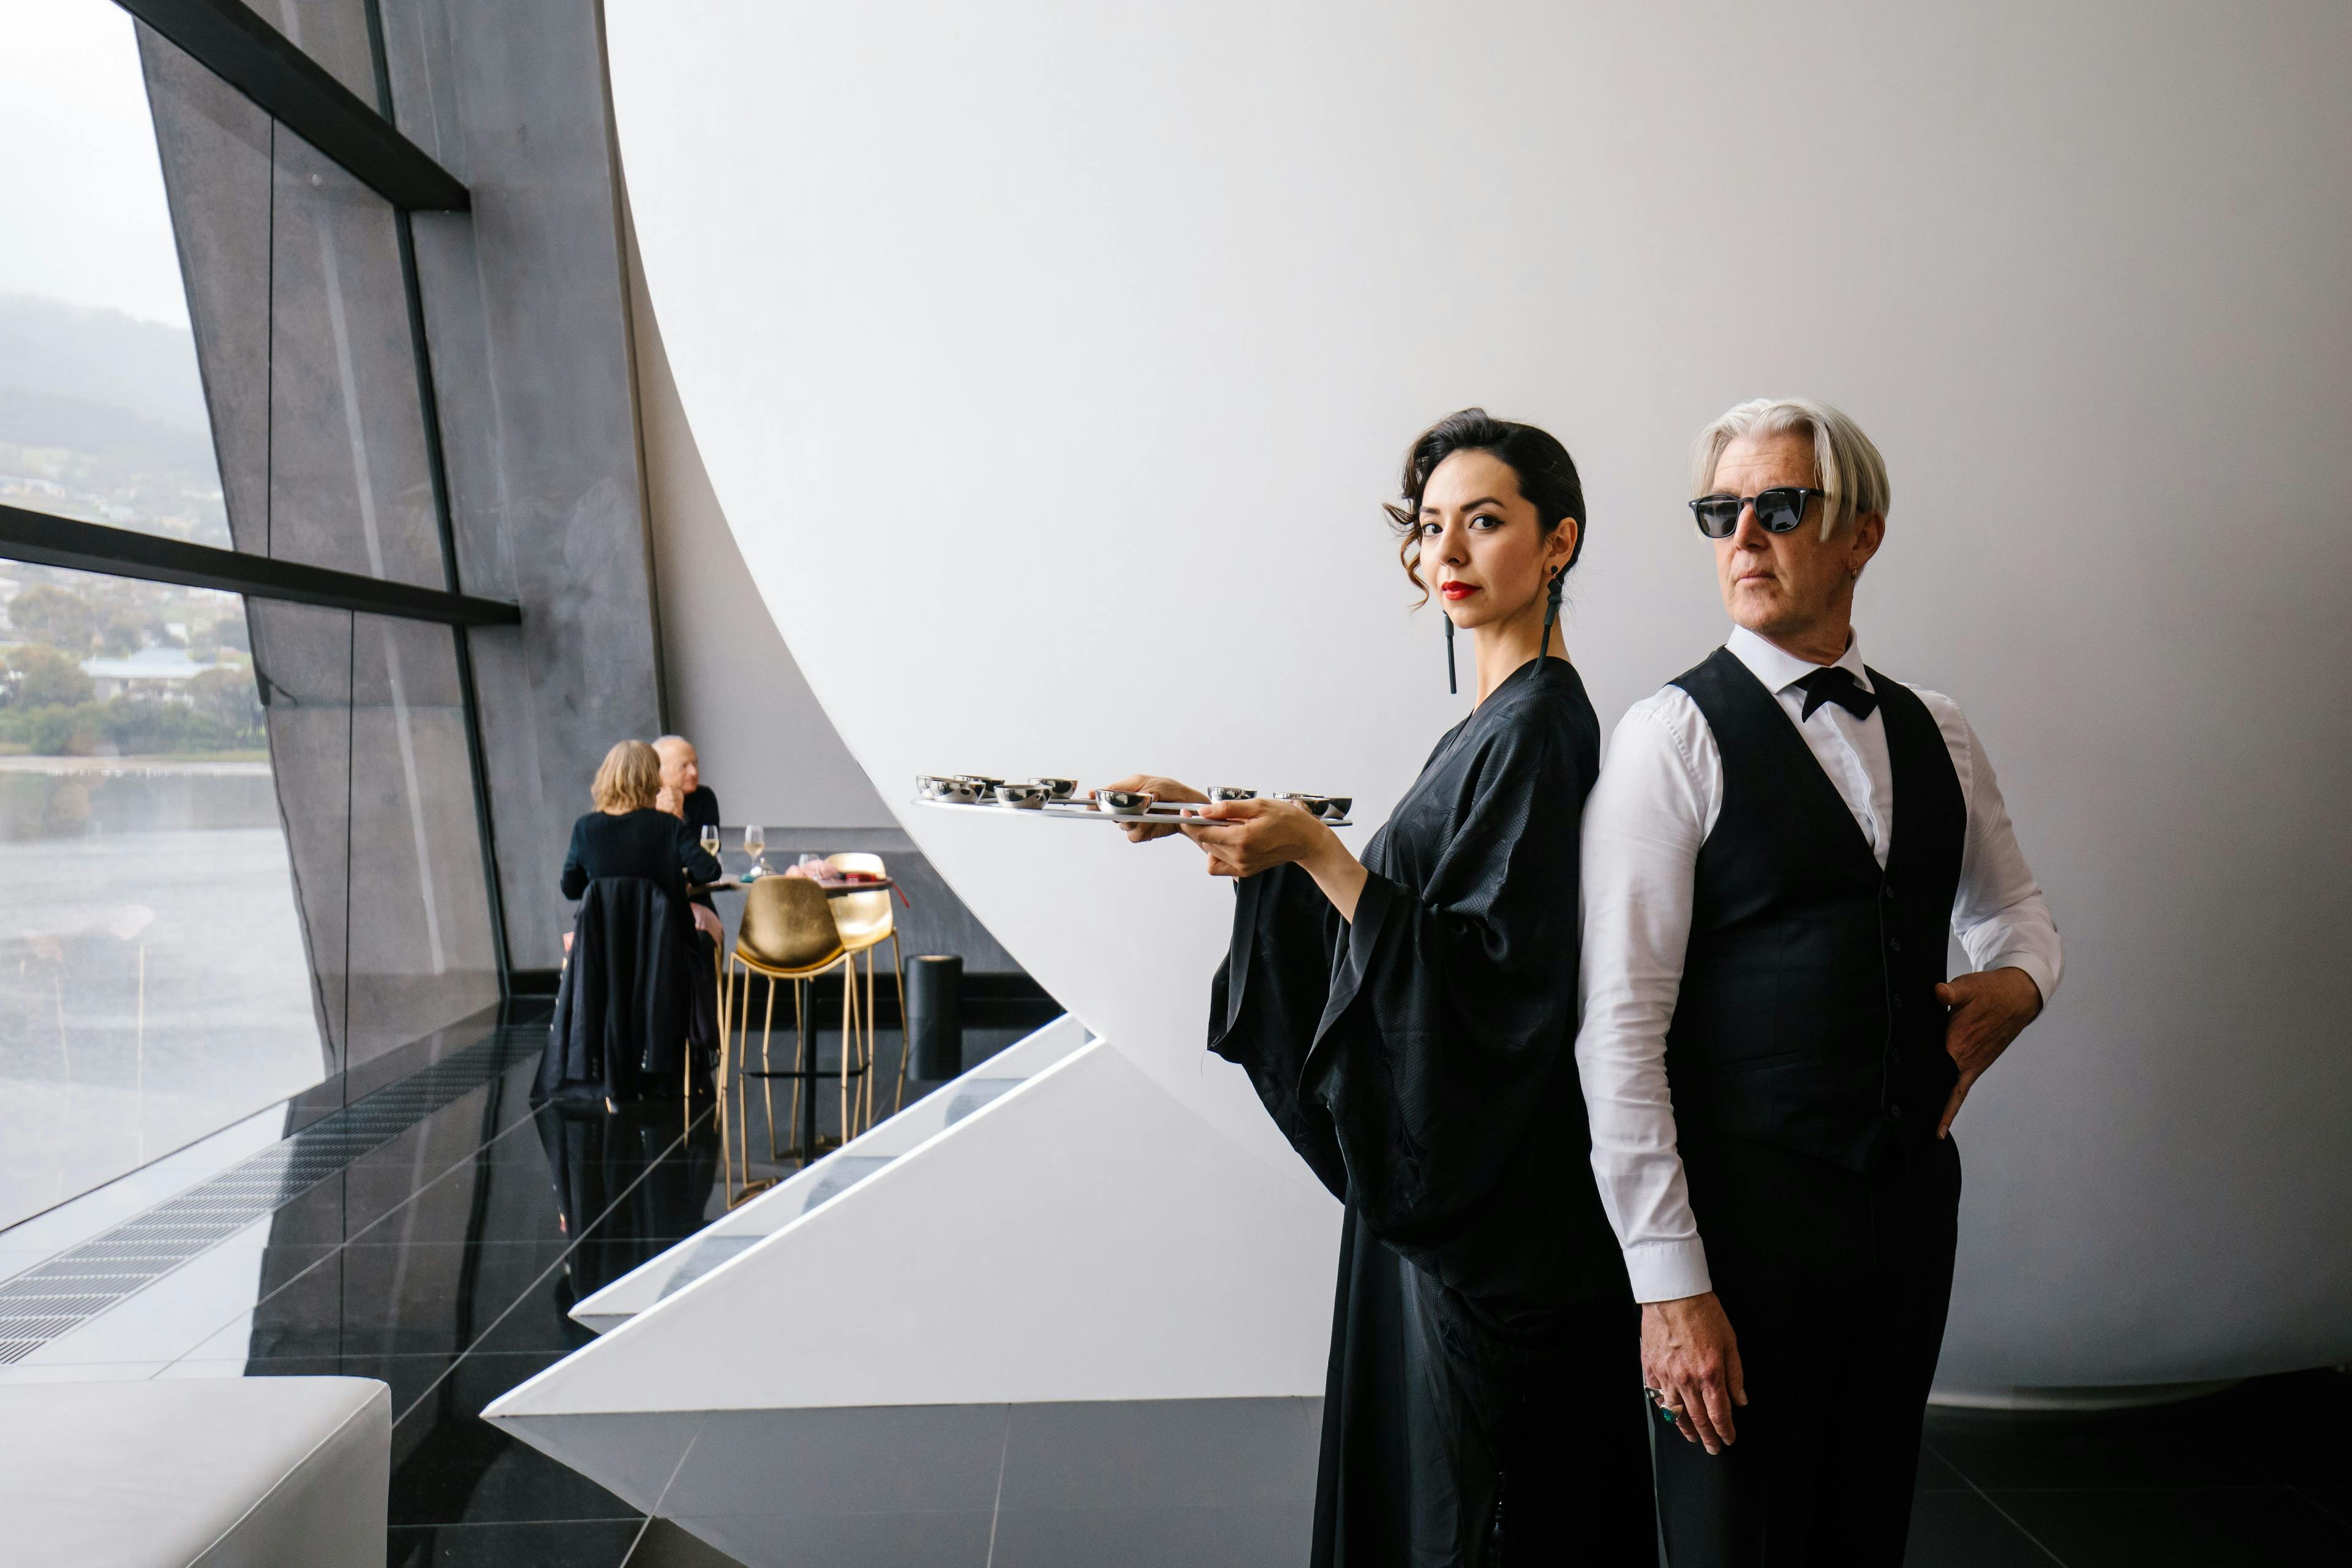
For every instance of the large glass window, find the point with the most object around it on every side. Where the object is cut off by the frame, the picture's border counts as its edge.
(153, 986)
(101, 404)
(240, 845)
(153, 978)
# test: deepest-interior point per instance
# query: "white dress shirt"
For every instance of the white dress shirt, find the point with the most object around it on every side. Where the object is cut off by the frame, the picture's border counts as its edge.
(1660, 791)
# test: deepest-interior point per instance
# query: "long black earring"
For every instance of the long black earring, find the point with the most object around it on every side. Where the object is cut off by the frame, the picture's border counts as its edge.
(1551, 610)
(1450, 687)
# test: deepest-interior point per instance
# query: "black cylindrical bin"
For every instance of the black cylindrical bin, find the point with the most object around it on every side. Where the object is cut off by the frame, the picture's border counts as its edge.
(935, 1015)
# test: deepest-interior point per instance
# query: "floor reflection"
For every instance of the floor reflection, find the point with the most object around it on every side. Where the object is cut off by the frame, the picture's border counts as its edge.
(446, 1263)
(629, 1181)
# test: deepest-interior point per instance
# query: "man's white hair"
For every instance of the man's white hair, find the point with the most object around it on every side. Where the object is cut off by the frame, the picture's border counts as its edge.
(1845, 463)
(665, 740)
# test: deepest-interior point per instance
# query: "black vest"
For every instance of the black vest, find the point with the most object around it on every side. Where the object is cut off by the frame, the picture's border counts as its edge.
(1808, 1016)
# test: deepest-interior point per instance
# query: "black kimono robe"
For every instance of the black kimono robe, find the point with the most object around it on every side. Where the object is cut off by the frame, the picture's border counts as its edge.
(1485, 1382)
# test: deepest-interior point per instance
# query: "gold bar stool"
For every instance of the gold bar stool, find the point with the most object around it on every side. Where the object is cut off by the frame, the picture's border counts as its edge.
(787, 933)
(865, 922)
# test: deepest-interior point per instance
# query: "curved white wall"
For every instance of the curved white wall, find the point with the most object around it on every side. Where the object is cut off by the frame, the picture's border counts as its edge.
(1078, 345)
(728, 679)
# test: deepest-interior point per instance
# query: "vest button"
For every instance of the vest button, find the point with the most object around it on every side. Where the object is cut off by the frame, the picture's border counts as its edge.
(1898, 1004)
(1888, 890)
(1896, 1111)
(1895, 943)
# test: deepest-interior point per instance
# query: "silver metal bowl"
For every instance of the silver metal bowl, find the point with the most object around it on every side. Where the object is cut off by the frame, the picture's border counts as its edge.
(1022, 796)
(1058, 789)
(1125, 802)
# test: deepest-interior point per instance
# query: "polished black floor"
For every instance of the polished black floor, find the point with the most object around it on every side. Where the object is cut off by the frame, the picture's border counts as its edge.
(445, 1260)
(2261, 1474)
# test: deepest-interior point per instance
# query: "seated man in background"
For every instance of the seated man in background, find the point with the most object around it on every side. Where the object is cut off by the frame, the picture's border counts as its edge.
(684, 794)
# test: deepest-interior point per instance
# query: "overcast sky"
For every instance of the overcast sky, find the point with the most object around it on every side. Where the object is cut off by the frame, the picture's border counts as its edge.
(81, 198)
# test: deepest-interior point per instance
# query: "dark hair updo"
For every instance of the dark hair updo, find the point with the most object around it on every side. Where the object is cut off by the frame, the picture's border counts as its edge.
(1547, 477)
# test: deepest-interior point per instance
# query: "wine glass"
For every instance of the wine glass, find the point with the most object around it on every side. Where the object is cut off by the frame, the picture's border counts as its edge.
(710, 839)
(755, 844)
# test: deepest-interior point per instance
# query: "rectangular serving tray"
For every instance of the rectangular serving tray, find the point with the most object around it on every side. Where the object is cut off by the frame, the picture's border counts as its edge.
(1086, 811)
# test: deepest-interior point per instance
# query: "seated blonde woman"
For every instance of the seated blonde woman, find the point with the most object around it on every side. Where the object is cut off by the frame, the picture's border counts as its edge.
(629, 836)
(621, 1016)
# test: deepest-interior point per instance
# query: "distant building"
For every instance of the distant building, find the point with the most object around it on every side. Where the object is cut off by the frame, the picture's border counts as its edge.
(151, 672)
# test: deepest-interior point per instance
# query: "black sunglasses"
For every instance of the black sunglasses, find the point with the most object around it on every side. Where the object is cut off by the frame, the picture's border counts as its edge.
(1778, 511)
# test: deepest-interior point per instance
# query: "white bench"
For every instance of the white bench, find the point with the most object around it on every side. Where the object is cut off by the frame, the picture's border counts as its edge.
(233, 1472)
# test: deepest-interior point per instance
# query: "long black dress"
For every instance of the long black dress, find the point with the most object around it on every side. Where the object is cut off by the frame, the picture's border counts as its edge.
(1485, 1382)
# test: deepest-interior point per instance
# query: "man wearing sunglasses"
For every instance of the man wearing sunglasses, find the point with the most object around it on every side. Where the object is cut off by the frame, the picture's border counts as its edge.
(1776, 849)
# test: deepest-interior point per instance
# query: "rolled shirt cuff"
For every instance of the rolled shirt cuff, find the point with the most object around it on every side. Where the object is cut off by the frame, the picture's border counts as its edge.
(1667, 1270)
(2037, 968)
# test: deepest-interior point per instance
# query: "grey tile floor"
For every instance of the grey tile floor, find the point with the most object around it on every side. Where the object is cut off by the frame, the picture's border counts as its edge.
(445, 1262)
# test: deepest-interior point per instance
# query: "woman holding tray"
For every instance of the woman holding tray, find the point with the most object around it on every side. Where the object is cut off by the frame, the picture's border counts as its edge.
(1409, 1020)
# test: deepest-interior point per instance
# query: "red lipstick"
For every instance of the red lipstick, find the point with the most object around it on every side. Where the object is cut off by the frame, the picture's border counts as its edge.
(1458, 591)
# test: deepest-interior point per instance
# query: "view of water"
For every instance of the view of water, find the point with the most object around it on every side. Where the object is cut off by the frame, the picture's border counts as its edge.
(153, 986)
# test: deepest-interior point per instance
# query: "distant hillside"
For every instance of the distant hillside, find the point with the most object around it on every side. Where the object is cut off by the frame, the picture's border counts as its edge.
(79, 354)
(116, 440)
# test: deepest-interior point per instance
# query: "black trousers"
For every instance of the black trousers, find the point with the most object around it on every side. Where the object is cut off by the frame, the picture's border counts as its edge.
(1837, 1285)
(1462, 1434)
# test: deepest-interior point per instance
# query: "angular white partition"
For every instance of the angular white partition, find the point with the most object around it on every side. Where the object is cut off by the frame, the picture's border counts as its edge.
(1081, 1267)
(824, 1180)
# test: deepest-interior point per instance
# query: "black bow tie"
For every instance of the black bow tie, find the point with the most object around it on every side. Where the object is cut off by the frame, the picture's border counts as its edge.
(1836, 684)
